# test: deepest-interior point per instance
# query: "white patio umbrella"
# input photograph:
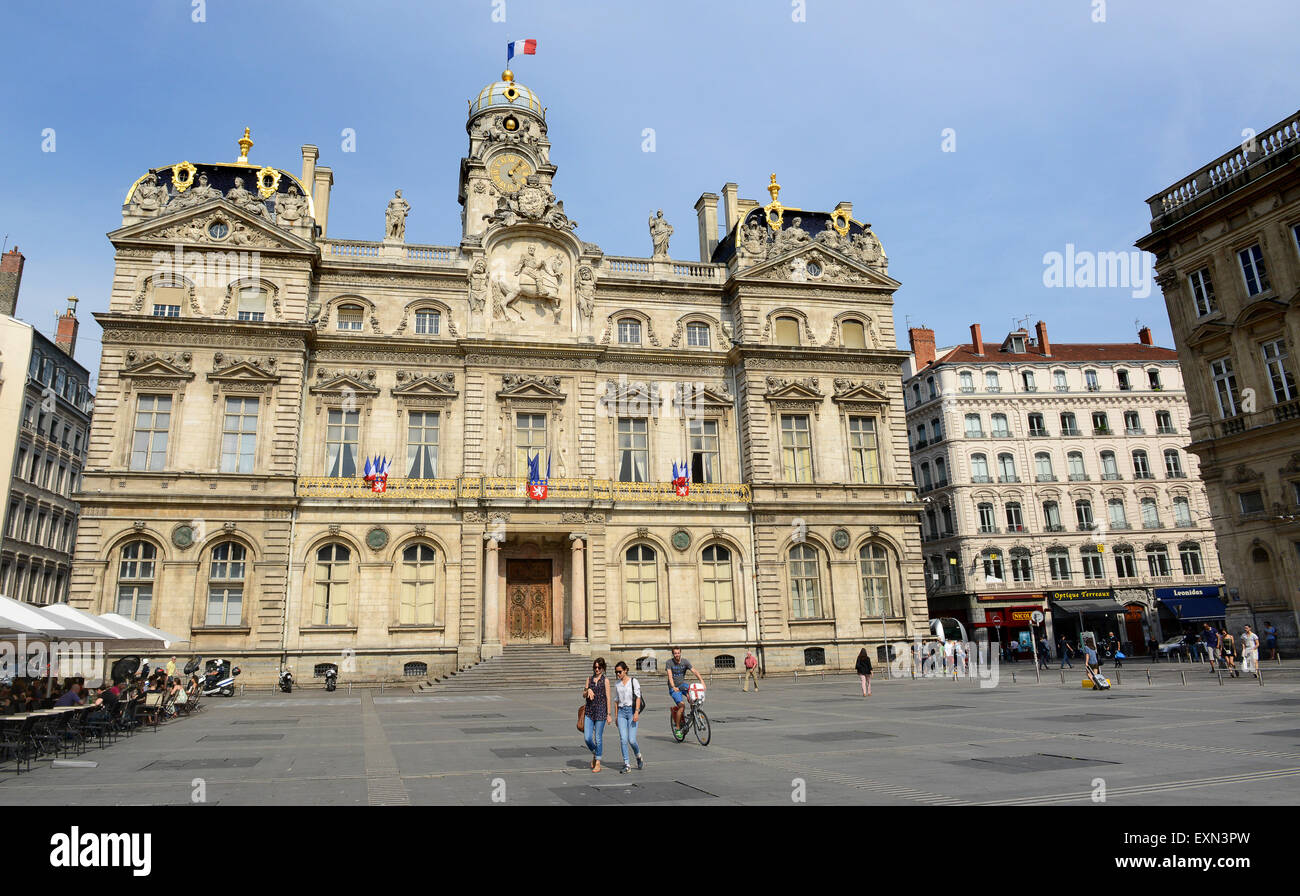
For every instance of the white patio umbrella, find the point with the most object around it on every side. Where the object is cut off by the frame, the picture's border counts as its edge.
(37, 626)
(117, 636)
(144, 631)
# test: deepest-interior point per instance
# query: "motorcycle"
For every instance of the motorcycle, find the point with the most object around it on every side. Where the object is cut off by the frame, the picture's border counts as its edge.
(219, 679)
(331, 678)
(286, 681)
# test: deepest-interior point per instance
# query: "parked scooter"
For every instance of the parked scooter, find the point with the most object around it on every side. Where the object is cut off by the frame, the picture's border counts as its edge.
(219, 679)
(286, 681)
(331, 678)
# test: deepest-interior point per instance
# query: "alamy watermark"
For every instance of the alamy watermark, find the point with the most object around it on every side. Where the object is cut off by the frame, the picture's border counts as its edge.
(20, 658)
(1080, 269)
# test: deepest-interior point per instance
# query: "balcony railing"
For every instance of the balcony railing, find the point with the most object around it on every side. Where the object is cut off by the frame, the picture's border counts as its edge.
(1000, 434)
(1281, 413)
(1111, 477)
(1062, 388)
(1152, 524)
(490, 488)
(981, 479)
(1045, 477)
(1069, 432)
(1166, 431)
(1134, 431)
(1101, 431)
(988, 530)
(1143, 474)
(921, 443)
(1176, 474)
(1079, 477)
(1009, 478)
(967, 389)
(1087, 527)
(1038, 433)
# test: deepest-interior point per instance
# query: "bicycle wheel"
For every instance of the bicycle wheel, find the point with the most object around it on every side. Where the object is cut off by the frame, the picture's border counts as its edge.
(703, 732)
(678, 735)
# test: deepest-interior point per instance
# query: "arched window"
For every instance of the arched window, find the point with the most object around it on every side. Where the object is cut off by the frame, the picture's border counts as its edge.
(351, 317)
(1083, 513)
(252, 303)
(853, 334)
(415, 670)
(1150, 515)
(428, 321)
(629, 331)
(999, 427)
(877, 596)
(1092, 565)
(716, 589)
(1058, 564)
(974, 429)
(1117, 513)
(966, 381)
(1058, 377)
(933, 392)
(1074, 462)
(1043, 467)
(697, 334)
(991, 381)
(1069, 424)
(135, 575)
(1015, 519)
(927, 482)
(1173, 466)
(1158, 561)
(418, 594)
(979, 468)
(814, 656)
(1109, 468)
(1182, 512)
(1190, 553)
(1141, 468)
(332, 585)
(992, 561)
(805, 583)
(1125, 562)
(787, 331)
(226, 584)
(1007, 469)
(988, 522)
(641, 585)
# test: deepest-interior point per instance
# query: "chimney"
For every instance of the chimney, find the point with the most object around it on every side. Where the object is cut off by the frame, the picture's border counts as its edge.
(1044, 347)
(976, 340)
(729, 194)
(11, 277)
(321, 197)
(309, 156)
(922, 340)
(66, 335)
(1144, 336)
(706, 209)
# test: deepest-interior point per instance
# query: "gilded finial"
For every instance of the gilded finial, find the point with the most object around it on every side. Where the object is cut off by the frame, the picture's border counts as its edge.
(507, 75)
(245, 144)
(774, 188)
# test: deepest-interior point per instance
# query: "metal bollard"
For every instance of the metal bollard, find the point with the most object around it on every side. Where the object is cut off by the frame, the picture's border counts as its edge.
(1183, 676)
(1259, 674)
(1062, 676)
(1038, 678)
(1218, 675)
(1013, 678)
(1118, 679)
(1148, 676)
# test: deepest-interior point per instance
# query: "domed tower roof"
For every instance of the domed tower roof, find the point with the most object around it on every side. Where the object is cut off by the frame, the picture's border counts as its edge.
(506, 94)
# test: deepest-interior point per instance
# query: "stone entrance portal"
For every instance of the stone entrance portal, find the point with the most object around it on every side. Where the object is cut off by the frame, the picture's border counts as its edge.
(528, 601)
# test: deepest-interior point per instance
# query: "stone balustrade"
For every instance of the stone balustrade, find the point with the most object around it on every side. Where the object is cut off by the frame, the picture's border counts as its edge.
(515, 488)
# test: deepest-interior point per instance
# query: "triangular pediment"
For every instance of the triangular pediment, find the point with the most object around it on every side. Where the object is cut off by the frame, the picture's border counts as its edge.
(243, 370)
(345, 384)
(706, 396)
(805, 389)
(522, 385)
(194, 226)
(817, 264)
(440, 386)
(1208, 331)
(175, 366)
(850, 391)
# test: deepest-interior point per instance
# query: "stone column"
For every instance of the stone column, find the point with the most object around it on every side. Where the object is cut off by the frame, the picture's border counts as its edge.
(491, 608)
(578, 579)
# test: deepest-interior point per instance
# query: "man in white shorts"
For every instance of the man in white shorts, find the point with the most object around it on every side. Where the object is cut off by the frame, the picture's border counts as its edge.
(1250, 651)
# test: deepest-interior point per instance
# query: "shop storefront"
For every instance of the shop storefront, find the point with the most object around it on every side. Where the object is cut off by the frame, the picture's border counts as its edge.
(1190, 607)
(1086, 611)
(1008, 619)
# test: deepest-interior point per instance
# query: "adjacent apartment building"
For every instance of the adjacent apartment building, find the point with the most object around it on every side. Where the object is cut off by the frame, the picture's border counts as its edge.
(1227, 245)
(1055, 478)
(45, 407)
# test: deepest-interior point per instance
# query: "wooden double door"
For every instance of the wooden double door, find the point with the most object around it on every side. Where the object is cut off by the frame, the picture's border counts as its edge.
(528, 601)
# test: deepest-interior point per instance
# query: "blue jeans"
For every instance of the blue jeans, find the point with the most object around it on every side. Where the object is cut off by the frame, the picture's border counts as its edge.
(1065, 660)
(627, 732)
(594, 733)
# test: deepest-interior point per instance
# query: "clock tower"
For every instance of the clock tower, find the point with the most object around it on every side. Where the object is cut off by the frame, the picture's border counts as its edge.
(509, 158)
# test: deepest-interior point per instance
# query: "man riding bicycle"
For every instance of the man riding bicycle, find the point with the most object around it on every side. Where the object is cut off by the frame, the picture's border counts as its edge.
(677, 670)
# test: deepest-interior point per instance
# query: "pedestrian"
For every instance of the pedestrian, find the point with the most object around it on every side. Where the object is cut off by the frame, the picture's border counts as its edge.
(1066, 653)
(751, 670)
(1013, 651)
(1153, 648)
(949, 658)
(627, 692)
(958, 659)
(1114, 646)
(1270, 640)
(1192, 644)
(864, 671)
(1210, 638)
(1044, 652)
(1229, 652)
(597, 716)
(1090, 655)
(1250, 651)
(171, 668)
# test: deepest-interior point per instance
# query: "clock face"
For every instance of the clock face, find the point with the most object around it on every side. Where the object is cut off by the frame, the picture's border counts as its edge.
(509, 172)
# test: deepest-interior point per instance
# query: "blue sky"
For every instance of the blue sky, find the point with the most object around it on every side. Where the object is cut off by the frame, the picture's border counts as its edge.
(1063, 126)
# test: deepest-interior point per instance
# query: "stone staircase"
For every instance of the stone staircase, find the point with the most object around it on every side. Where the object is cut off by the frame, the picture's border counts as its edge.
(518, 668)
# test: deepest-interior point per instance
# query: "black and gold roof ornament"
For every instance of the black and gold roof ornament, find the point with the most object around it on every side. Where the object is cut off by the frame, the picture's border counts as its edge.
(245, 144)
(774, 211)
(511, 93)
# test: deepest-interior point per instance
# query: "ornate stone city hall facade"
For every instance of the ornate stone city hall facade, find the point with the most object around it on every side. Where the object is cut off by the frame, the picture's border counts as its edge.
(252, 363)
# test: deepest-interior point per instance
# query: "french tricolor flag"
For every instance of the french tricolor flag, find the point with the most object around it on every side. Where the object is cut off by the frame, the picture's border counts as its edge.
(522, 47)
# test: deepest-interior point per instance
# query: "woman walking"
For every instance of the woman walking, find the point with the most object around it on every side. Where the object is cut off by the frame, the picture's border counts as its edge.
(596, 694)
(627, 691)
(864, 671)
(1230, 652)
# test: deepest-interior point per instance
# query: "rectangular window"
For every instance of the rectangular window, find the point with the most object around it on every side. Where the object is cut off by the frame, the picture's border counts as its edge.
(422, 444)
(1251, 502)
(239, 435)
(1036, 425)
(1203, 292)
(153, 416)
(1182, 512)
(974, 429)
(342, 431)
(1276, 361)
(864, 455)
(633, 449)
(350, 317)
(1027, 380)
(1158, 562)
(965, 381)
(629, 332)
(427, 323)
(1164, 423)
(1058, 565)
(166, 310)
(796, 448)
(1100, 424)
(1000, 428)
(1058, 378)
(1225, 386)
(1118, 516)
(530, 441)
(1090, 380)
(1252, 269)
(991, 381)
(1132, 423)
(698, 335)
(1052, 516)
(1092, 568)
(1125, 565)
(706, 465)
